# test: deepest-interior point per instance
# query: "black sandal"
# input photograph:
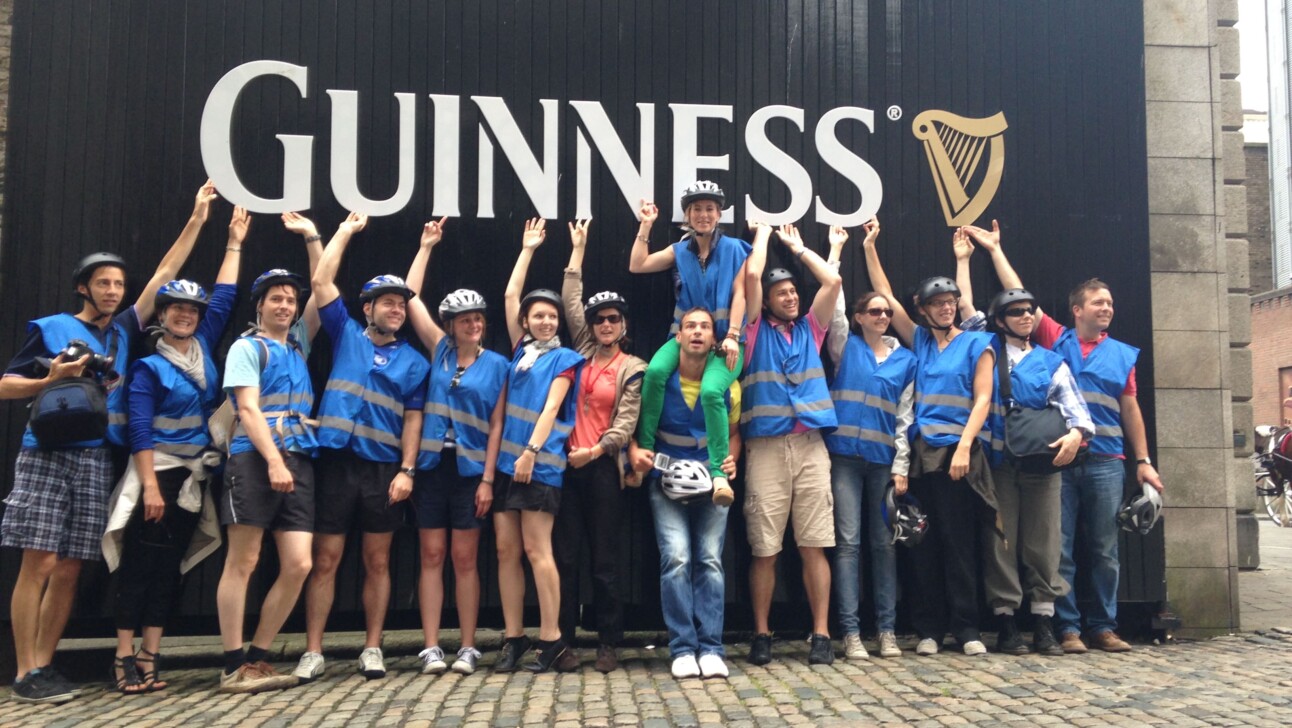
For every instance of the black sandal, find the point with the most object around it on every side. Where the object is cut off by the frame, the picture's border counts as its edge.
(151, 678)
(130, 677)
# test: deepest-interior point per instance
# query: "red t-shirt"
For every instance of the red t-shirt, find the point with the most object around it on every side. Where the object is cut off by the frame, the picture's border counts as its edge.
(1048, 331)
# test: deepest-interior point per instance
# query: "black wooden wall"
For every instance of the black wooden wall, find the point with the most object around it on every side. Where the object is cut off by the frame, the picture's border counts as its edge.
(107, 96)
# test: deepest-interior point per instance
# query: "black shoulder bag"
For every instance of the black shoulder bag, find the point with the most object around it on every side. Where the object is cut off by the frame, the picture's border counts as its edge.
(71, 410)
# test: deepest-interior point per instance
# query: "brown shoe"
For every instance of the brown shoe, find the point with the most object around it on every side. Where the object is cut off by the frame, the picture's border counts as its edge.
(607, 659)
(723, 495)
(567, 662)
(1072, 644)
(1110, 642)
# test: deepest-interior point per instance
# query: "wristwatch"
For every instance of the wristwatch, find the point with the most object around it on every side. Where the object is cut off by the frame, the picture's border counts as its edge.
(410, 472)
(1144, 461)
(533, 448)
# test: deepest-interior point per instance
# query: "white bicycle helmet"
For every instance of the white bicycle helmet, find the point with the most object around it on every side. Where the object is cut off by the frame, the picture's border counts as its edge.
(1140, 513)
(463, 300)
(703, 189)
(686, 480)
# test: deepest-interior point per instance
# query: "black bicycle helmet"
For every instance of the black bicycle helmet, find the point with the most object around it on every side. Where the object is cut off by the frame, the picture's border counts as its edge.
(1006, 298)
(904, 517)
(86, 266)
(776, 275)
(930, 287)
(539, 294)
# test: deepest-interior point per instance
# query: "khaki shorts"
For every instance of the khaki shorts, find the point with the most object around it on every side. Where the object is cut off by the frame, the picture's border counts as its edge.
(784, 476)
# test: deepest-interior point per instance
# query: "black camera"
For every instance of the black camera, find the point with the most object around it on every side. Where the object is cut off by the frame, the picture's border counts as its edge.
(97, 363)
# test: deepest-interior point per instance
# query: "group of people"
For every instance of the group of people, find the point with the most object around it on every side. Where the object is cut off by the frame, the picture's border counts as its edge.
(903, 441)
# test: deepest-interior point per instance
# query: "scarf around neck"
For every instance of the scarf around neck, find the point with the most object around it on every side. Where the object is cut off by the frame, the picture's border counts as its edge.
(191, 364)
(534, 349)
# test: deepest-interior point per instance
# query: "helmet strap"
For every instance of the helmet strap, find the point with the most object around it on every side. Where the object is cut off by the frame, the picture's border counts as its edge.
(101, 314)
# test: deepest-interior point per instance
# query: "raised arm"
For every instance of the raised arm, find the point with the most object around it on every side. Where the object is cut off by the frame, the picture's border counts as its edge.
(323, 278)
(827, 276)
(963, 248)
(238, 225)
(418, 313)
(754, 266)
(529, 242)
(641, 260)
(179, 251)
(304, 227)
(572, 283)
(990, 241)
(836, 335)
(902, 323)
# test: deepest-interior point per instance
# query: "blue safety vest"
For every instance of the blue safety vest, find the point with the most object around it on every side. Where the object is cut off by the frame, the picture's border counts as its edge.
(784, 381)
(56, 331)
(711, 287)
(526, 397)
(1030, 379)
(466, 408)
(286, 394)
(866, 395)
(180, 416)
(944, 392)
(682, 434)
(363, 403)
(1101, 377)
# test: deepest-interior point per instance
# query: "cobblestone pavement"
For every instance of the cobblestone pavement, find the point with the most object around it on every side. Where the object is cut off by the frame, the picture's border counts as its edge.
(1266, 594)
(1237, 680)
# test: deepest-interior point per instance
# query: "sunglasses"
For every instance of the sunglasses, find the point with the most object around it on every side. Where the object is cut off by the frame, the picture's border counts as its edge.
(457, 378)
(877, 312)
(609, 318)
(1019, 312)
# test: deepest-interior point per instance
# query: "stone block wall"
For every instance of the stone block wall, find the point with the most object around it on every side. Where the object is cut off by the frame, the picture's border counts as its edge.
(1259, 252)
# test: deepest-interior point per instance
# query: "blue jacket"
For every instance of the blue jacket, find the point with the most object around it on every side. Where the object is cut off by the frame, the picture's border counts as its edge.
(1101, 376)
(526, 396)
(711, 287)
(944, 392)
(866, 395)
(57, 331)
(286, 394)
(182, 410)
(363, 403)
(785, 381)
(681, 433)
(466, 408)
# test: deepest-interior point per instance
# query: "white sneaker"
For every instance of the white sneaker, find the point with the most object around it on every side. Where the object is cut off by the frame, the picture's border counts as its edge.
(371, 663)
(888, 645)
(711, 665)
(973, 648)
(686, 666)
(853, 649)
(309, 668)
(466, 662)
(433, 661)
(926, 647)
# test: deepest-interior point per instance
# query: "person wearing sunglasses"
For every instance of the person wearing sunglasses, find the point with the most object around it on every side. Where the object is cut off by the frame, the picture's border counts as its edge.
(461, 434)
(608, 399)
(1029, 501)
(1091, 493)
(708, 272)
(787, 411)
(873, 389)
(531, 464)
(956, 425)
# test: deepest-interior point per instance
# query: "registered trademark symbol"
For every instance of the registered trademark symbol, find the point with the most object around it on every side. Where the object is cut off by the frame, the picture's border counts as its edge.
(894, 113)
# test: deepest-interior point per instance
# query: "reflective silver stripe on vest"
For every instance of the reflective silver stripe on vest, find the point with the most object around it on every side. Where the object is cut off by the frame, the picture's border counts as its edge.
(1111, 431)
(269, 400)
(358, 390)
(457, 415)
(948, 400)
(530, 416)
(780, 378)
(864, 434)
(370, 433)
(1102, 400)
(475, 456)
(543, 458)
(927, 430)
(429, 445)
(184, 451)
(779, 410)
(181, 423)
(292, 428)
(118, 418)
(681, 440)
(865, 398)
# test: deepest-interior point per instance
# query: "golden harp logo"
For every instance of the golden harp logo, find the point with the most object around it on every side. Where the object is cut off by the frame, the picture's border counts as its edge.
(955, 147)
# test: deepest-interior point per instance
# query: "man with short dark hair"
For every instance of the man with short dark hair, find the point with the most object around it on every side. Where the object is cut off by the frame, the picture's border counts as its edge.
(58, 508)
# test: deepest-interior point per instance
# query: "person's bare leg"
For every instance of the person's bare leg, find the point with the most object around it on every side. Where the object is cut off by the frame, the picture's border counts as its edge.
(24, 606)
(149, 648)
(294, 564)
(56, 608)
(816, 581)
(231, 595)
(511, 576)
(762, 582)
(430, 581)
(466, 581)
(537, 529)
(320, 590)
(376, 585)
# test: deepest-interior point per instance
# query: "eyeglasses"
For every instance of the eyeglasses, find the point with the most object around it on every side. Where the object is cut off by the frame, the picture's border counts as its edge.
(457, 378)
(944, 303)
(609, 318)
(1019, 312)
(877, 312)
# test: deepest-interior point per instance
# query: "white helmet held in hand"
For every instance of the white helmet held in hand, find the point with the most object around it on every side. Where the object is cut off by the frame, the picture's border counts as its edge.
(686, 480)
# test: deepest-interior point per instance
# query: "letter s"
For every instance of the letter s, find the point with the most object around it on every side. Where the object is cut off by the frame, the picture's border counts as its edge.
(853, 168)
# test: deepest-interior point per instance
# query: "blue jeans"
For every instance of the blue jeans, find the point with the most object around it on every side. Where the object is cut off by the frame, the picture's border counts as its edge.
(859, 488)
(1092, 495)
(691, 585)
